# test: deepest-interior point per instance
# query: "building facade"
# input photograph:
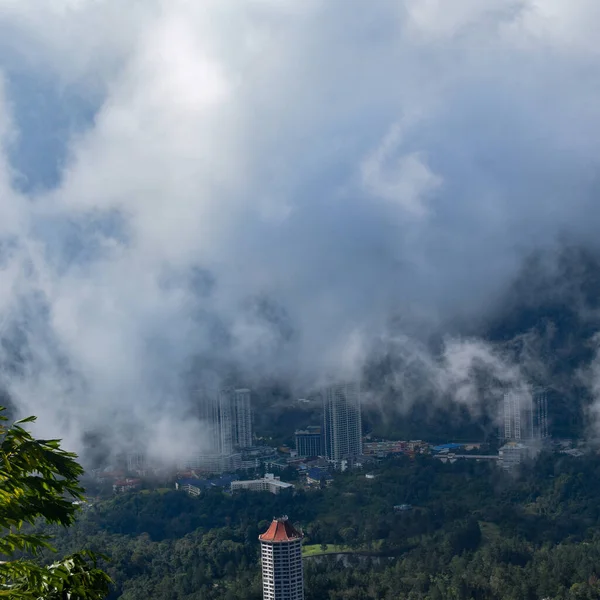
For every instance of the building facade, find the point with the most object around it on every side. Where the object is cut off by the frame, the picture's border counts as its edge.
(210, 415)
(242, 419)
(540, 413)
(512, 454)
(136, 463)
(525, 415)
(309, 442)
(268, 483)
(517, 416)
(226, 417)
(342, 421)
(212, 463)
(281, 559)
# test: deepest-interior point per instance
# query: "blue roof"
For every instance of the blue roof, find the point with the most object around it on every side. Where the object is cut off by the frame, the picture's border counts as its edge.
(446, 447)
(317, 473)
(189, 482)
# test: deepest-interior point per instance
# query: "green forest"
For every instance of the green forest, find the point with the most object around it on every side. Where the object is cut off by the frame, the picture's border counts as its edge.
(473, 532)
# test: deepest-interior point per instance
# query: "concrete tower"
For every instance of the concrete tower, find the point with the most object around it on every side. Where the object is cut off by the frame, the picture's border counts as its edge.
(226, 416)
(342, 421)
(242, 419)
(208, 412)
(540, 413)
(281, 558)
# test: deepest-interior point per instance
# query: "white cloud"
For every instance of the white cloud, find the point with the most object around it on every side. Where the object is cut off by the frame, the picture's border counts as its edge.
(403, 179)
(252, 141)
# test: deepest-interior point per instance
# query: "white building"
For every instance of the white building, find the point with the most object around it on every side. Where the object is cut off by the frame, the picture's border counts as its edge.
(513, 454)
(342, 421)
(269, 483)
(281, 558)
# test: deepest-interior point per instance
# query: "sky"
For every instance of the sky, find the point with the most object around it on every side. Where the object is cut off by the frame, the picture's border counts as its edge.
(266, 187)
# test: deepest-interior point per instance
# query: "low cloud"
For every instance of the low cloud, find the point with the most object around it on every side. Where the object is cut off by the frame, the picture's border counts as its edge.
(241, 201)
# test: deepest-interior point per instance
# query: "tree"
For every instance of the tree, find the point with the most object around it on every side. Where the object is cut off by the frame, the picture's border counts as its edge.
(40, 480)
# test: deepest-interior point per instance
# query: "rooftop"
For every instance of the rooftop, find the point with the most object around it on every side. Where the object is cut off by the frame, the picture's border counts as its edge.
(319, 473)
(280, 530)
(447, 447)
(222, 481)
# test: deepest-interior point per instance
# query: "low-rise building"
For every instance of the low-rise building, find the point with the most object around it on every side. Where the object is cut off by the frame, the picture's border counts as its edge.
(309, 441)
(277, 464)
(253, 458)
(269, 483)
(383, 448)
(109, 474)
(126, 485)
(213, 463)
(513, 454)
(450, 457)
(195, 486)
(316, 475)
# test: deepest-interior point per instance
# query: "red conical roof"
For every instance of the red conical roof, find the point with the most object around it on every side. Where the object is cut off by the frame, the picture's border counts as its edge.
(280, 530)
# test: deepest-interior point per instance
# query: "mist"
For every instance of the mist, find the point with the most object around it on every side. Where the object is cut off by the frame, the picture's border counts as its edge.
(194, 193)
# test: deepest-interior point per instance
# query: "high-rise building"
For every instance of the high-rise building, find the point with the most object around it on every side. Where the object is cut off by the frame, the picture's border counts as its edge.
(342, 421)
(517, 416)
(208, 406)
(540, 413)
(242, 419)
(525, 415)
(136, 463)
(281, 558)
(227, 427)
(309, 442)
(227, 416)
(226, 422)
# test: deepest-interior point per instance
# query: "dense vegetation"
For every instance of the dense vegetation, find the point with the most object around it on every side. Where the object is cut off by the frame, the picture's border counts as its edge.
(473, 532)
(40, 481)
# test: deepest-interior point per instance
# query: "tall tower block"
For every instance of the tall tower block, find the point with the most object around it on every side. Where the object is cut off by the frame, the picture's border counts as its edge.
(281, 557)
(342, 421)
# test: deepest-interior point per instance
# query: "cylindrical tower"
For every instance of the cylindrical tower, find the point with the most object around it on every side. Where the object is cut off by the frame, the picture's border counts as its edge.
(281, 556)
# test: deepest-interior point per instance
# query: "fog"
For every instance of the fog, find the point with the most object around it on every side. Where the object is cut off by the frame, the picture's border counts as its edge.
(264, 190)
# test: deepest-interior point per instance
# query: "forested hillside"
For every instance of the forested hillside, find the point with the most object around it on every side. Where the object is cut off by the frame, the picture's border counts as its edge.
(545, 322)
(473, 532)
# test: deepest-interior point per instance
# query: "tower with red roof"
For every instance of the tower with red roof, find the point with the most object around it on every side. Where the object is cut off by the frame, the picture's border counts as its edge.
(281, 556)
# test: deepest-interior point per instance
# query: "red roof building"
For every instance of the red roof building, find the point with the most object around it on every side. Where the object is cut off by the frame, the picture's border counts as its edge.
(281, 530)
(281, 558)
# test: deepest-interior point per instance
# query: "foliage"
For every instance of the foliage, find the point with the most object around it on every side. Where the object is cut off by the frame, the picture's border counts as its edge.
(474, 533)
(38, 479)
